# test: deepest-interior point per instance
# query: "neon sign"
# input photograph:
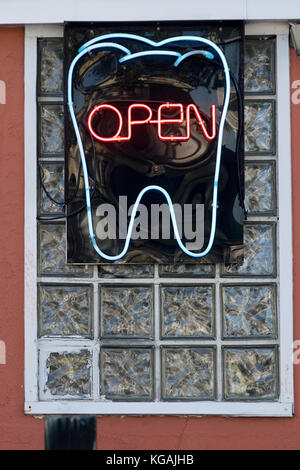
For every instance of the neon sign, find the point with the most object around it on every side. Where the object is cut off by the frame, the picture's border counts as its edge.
(99, 43)
(160, 121)
(170, 100)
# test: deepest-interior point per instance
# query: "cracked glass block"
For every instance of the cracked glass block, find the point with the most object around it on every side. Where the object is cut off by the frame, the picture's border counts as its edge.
(51, 128)
(187, 311)
(249, 311)
(186, 270)
(250, 373)
(69, 374)
(52, 253)
(127, 374)
(126, 311)
(260, 188)
(52, 176)
(259, 127)
(125, 270)
(65, 310)
(259, 65)
(259, 257)
(188, 373)
(51, 53)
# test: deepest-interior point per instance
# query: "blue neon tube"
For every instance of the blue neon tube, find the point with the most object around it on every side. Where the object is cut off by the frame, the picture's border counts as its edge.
(138, 55)
(207, 55)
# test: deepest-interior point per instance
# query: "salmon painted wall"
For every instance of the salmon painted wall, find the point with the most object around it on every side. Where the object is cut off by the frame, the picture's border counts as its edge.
(18, 431)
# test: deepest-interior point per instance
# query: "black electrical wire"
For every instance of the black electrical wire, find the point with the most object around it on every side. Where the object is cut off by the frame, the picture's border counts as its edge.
(229, 41)
(239, 141)
(239, 132)
(64, 203)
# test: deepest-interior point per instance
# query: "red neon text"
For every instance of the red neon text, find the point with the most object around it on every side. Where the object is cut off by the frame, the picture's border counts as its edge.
(160, 121)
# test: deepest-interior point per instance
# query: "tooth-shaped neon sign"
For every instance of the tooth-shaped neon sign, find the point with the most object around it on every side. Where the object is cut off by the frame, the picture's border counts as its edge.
(109, 42)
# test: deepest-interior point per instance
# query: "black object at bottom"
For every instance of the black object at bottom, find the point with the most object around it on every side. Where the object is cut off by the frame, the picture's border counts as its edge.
(70, 433)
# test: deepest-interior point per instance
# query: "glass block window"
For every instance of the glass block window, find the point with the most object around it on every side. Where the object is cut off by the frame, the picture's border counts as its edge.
(188, 373)
(250, 373)
(259, 72)
(160, 339)
(260, 127)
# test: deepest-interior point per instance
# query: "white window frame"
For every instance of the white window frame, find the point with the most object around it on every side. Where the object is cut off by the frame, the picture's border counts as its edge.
(282, 407)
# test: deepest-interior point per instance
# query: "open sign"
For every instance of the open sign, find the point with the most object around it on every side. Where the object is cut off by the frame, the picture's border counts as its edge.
(154, 120)
(183, 116)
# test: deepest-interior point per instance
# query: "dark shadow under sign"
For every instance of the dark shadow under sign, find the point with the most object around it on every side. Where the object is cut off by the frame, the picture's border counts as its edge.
(70, 433)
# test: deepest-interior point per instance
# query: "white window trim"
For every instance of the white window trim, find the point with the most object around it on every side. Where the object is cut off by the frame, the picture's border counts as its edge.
(283, 407)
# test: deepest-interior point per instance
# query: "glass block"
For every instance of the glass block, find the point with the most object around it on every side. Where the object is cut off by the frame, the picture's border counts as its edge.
(52, 175)
(125, 271)
(250, 373)
(259, 257)
(127, 374)
(51, 129)
(186, 270)
(52, 253)
(187, 311)
(65, 310)
(259, 127)
(51, 55)
(259, 62)
(260, 188)
(188, 373)
(249, 311)
(69, 374)
(126, 311)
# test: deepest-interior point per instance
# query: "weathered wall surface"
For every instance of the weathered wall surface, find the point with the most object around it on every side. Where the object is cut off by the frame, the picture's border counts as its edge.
(18, 431)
